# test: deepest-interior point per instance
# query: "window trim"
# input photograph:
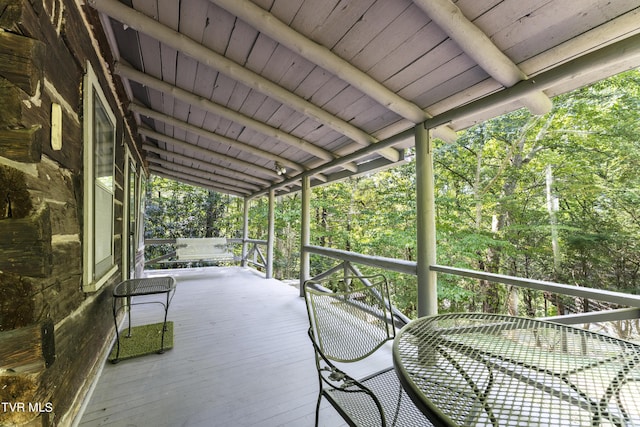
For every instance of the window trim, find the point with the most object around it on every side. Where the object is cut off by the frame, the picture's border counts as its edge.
(91, 91)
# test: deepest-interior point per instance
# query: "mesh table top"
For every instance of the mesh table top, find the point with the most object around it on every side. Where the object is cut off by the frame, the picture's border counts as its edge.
(144, 286)
(494, 370)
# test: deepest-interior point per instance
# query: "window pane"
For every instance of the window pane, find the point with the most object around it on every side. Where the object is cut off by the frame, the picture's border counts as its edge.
(103, 233)
(104, 145)
(103, 137)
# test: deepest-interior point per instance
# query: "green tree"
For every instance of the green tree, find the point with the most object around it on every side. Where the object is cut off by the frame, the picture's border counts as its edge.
(554, 197)
(492, 183)
(175, 210)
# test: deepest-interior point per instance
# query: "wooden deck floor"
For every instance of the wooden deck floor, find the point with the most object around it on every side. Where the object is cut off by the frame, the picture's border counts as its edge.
(241, 357)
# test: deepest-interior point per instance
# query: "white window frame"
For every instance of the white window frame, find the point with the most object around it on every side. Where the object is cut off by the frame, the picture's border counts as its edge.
(98, 273)
(131, 207)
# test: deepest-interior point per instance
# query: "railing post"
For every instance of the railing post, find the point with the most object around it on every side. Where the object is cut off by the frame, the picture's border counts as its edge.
(305, 231)
(346, 269)
(426, 223)
(271, 234)
(245, 231)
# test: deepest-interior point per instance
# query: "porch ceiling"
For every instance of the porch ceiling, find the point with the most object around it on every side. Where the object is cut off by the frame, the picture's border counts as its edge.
(225, 92)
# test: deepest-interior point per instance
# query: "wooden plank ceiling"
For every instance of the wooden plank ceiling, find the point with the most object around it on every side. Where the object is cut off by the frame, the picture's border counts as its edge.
(241, 96)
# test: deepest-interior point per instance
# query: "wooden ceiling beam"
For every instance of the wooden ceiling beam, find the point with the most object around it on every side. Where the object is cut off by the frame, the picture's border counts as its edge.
(477, 45)
(209, 106)
(211, 136)
(149, 26)
(154, 135)
(277, 30)
(618, 52)
(203, 164)
(271, 26)
(160, 171)
(389, 142)
(200, 151)
(203, 173)
(201, 182)
(615, 30)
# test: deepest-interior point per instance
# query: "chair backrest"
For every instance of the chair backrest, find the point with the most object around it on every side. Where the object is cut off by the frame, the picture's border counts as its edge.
(353, 322)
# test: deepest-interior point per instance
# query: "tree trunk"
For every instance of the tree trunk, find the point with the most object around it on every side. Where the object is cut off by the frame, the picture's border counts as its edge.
(215, 207)
(552, 208)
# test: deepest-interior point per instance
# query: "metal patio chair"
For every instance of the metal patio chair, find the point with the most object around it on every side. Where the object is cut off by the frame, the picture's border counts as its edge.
(348, 326)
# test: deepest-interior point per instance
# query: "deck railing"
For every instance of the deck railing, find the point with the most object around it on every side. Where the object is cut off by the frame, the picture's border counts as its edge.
(631, 302)
(253, 255)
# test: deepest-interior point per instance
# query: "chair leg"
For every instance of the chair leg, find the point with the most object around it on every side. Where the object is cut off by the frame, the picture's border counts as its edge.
(318, 409)
(319, 399)
(398, 405)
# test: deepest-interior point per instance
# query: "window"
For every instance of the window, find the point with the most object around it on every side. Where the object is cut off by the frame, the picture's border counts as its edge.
(99, 157)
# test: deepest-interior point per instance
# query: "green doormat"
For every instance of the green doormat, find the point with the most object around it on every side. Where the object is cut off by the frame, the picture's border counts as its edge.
(145, 339)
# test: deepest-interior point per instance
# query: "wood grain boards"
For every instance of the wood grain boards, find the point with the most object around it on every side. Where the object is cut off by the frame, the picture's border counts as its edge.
(241, 356)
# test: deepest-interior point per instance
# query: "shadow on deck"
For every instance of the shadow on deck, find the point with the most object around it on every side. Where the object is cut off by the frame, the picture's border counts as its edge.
(241, 357)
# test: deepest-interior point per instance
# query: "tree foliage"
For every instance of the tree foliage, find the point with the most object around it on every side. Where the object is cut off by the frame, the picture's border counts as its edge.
(553, 197)
(175, 210)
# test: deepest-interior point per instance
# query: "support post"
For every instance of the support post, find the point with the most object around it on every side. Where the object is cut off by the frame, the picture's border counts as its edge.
(305, 231)
(245, 231)
(426, 223)
(271, 233)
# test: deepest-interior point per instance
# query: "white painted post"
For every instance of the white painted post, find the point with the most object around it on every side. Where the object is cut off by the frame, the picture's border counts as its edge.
(245, 231)
(426, 227)
(305, 231)
(271, 233)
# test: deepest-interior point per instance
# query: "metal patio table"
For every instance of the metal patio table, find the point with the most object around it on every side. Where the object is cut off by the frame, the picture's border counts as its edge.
(138, 287)
(494, 370)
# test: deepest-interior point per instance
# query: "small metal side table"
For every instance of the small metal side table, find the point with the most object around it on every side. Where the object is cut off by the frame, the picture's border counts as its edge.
(493, 370)
(138, 287)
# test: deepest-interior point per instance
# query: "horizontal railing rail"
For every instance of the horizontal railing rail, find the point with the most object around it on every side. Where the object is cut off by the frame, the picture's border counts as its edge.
(391, 264)
(542, 285)
(630, 301)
